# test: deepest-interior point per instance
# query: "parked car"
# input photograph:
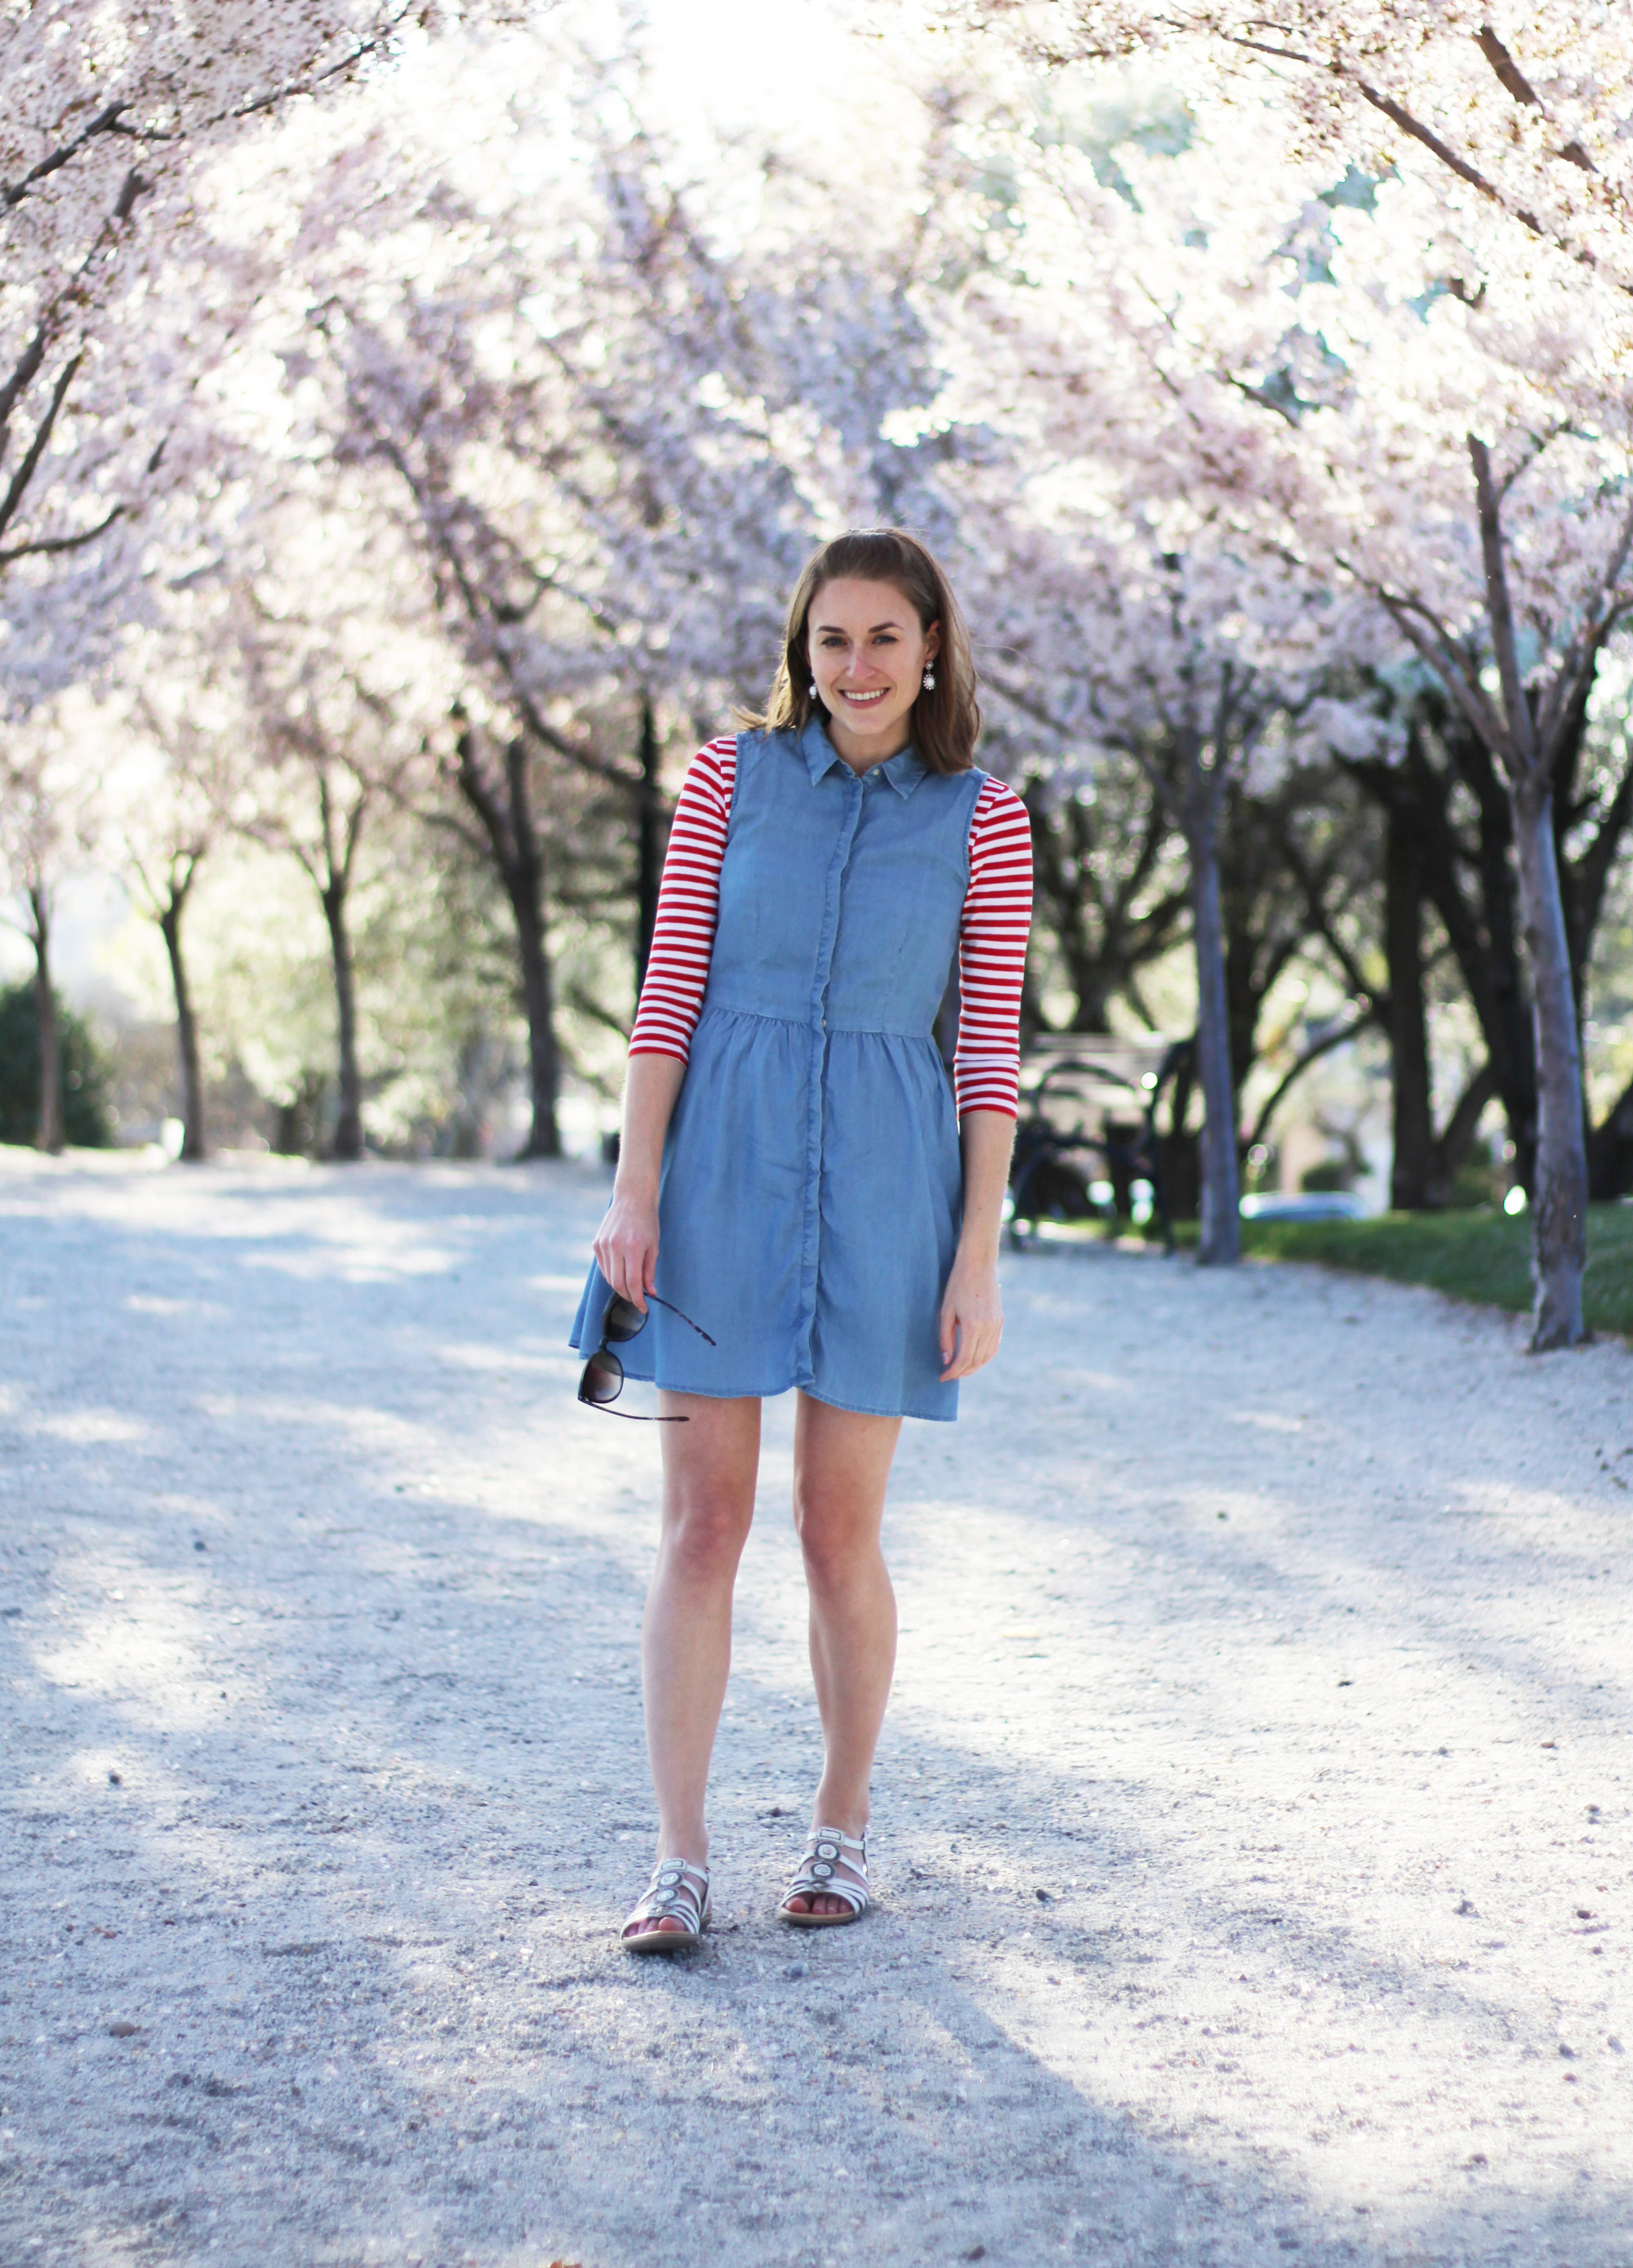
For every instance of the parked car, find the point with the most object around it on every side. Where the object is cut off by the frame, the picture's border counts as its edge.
(1304, 1204)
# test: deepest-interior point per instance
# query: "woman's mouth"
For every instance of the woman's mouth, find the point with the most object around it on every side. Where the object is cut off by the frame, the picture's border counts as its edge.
(863, 700)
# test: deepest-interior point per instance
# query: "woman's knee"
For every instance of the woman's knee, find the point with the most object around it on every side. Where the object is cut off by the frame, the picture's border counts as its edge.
(705, 1537)
(840, 1548)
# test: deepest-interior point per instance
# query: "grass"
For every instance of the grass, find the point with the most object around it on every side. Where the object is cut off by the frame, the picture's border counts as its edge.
(1480, 1255)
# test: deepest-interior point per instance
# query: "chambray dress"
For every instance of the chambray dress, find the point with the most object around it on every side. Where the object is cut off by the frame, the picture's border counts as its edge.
(812, 1185)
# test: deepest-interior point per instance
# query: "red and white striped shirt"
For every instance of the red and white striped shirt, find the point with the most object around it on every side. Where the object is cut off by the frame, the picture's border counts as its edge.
(992, 931)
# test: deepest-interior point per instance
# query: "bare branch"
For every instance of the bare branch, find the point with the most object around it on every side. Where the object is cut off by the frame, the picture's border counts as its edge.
(105, 122)
(1440, 650)
(347, 63)
(1312, 1054)
(453, 824)
(1506, 69)
(40, 547)
(20, 479)
(23, 373)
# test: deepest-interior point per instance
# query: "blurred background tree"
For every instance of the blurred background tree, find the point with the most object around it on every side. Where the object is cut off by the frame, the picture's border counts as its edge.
(85, 1117)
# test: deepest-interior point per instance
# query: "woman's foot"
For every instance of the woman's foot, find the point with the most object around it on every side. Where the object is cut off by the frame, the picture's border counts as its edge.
(831, 1888)
(674, 1913)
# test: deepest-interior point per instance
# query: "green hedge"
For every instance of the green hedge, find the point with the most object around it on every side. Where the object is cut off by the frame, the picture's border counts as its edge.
(1483, 1255)
(85, 1108)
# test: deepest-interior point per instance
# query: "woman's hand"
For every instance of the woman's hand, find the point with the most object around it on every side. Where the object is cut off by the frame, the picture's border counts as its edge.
(972, 1318)
(971, 1312)
(626, 1248)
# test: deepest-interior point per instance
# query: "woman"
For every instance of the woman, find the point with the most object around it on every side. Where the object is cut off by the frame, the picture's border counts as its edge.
(789, 1171)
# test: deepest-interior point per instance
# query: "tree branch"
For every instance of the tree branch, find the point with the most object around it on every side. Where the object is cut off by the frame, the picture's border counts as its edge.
(1504, 64)
(1437, 649)
(105, 122)
(40, 547)
(1521, 736)
(17, 487)
(1581, 655)
(1312, 1054)
(1460, 1128)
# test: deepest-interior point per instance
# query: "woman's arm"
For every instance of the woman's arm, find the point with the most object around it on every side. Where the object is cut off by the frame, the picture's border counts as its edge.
(972, 1312)
(992, 960)
(626, 1248)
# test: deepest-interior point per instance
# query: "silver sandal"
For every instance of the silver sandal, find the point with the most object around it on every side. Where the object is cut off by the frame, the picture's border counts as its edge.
(827, 1851)
(678, 1891)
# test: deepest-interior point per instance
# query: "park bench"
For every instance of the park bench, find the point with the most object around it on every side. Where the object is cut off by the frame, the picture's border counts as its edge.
(1088, 1100)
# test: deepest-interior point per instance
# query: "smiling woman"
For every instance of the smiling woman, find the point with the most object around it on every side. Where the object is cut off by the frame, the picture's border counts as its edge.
(791, 1147)
(883, 657)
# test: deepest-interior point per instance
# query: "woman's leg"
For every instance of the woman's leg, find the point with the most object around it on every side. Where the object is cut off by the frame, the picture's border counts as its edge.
(842, 1464)
(710, 1466)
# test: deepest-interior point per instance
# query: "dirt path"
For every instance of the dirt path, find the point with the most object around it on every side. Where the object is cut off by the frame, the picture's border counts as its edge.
(1253, 1816)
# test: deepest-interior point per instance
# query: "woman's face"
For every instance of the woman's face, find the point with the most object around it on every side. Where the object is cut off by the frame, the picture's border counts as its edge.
(868, 657)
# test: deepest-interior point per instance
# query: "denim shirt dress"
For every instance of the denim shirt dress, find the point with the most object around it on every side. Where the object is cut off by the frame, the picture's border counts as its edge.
(811, 1187)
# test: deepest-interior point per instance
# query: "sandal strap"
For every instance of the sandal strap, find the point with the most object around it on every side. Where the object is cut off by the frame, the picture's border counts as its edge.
(679, 1890)
(837, 1835)
(827, 1850)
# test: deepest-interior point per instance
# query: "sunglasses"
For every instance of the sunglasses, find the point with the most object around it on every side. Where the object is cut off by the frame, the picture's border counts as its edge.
(603, 1379)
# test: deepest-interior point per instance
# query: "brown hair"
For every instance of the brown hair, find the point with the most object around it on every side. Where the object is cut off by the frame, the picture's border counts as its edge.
(946, 722)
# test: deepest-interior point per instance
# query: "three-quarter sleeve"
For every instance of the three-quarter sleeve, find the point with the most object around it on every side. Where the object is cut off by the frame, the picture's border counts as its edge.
(992, 952)
(689, 901)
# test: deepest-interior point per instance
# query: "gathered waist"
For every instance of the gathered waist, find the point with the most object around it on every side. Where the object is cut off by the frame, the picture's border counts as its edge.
(807, 1023)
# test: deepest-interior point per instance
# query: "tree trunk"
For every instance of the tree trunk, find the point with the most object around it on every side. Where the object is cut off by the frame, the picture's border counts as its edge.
(1610, 1152)
(1494, 964)
(1559, 1192)
(194, 1146)
(649, 844)
(1480, 924)
(525, 883)
(538, 1002)
(50, 1135)
(1221, 1217)
(519, 860)
(348, 1146)
(1414, 1181)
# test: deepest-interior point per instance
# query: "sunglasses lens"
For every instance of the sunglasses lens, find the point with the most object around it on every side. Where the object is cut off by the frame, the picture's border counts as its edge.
(622, 1319)
(603, 1379)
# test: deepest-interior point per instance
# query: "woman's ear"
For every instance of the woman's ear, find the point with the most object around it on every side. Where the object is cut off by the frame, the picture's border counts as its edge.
(932, 643)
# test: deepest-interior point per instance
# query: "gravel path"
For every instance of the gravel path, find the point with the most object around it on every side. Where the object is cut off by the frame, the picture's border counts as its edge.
(1253, 1814)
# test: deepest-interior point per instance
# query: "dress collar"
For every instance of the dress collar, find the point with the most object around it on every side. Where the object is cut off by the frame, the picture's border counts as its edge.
(903, 770)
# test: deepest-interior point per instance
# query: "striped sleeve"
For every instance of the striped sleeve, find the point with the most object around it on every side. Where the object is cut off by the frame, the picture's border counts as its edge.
(992, 952)
(688, 899)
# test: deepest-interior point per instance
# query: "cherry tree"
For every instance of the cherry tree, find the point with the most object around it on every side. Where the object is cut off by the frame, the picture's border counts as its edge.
(340, 702)
(610, 432)
(174, 788)
(1388, 380)
(1137, 632)
(110, 116)
(1518, 112)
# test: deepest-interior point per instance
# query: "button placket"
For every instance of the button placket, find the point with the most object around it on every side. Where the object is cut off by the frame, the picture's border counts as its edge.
(820, 972)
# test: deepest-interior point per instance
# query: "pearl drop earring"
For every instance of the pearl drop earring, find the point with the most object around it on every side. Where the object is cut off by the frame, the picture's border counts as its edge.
(929, 680)
(813, 690)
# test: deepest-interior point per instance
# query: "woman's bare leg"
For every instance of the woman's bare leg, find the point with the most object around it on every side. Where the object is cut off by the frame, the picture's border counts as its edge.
(710, 1468)
(841, 1464)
